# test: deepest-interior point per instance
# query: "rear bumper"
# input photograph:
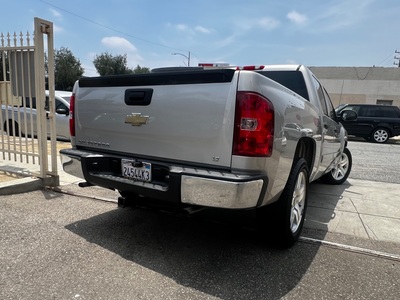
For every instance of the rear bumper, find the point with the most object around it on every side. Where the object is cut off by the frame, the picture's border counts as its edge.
(173, 184)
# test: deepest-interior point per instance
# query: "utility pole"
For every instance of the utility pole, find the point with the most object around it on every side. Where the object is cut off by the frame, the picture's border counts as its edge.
(397, 58)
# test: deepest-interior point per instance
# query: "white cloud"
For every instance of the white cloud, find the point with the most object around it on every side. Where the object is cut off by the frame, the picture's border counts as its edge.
(55, 13)
(296, 17)
(118, 43)
(202, 29)
(226, 41)
(244, 26)
(182, 27)
(187, 29)
(267, 23)
(123, 46)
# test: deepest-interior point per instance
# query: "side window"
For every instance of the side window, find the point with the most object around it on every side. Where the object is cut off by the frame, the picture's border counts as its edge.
(362, 111)
(60, 105)
(388, 112)
(329, 105)
(354, 108)
(320, 94)
(368, 111)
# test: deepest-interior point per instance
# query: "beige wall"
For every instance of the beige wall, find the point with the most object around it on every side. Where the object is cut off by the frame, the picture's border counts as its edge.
(360, 84)
(347, 98)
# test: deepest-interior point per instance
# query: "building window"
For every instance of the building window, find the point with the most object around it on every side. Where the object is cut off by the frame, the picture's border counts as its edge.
(384, 102)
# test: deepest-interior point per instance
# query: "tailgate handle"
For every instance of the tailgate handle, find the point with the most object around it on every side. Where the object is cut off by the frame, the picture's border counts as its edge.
(141, 97)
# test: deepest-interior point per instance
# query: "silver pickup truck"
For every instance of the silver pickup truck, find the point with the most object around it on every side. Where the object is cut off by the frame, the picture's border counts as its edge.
(249, 138)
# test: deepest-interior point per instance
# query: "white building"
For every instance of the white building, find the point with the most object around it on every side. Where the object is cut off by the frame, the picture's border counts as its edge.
(372, 85)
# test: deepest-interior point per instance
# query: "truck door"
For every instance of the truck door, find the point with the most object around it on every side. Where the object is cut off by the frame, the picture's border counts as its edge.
(62, 118)
(330, 147)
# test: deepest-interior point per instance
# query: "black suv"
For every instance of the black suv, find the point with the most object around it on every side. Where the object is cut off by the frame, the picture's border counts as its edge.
(372, 122)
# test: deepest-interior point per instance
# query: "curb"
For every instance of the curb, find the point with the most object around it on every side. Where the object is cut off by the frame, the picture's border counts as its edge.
(22, 185)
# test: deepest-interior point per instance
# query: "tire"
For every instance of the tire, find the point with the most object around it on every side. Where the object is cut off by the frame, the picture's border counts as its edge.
(341, 171)
(283, 220)
(10, 129)
(380, 135)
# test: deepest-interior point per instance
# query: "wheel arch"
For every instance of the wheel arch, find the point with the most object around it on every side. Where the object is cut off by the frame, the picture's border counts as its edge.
(306, 149)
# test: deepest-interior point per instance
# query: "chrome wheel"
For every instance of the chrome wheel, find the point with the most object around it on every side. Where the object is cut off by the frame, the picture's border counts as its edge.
(298, 202)
(380, 135)
(341, 169)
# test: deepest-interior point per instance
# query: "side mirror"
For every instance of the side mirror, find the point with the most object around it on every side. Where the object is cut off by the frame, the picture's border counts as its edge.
(62, 111)
(348, 115)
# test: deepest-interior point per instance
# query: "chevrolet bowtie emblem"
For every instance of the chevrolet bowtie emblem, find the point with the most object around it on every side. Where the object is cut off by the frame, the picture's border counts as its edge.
(136, 119)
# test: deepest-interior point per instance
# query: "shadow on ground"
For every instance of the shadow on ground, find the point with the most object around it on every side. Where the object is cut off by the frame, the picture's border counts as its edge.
(220, 259)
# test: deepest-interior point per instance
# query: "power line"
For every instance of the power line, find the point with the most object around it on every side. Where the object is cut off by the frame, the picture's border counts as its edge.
(110, 28)
(383, 62)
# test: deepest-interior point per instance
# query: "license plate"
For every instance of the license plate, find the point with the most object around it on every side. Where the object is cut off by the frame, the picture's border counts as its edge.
(140, 171)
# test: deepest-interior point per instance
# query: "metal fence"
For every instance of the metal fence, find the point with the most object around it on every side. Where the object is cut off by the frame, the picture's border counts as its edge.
(27, 130)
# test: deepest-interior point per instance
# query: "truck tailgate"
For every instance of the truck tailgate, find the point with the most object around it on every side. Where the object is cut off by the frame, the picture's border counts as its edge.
(181, 118)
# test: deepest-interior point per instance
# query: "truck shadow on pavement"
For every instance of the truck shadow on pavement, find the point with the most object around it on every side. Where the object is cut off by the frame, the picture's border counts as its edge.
(325, 205)
(221, 259)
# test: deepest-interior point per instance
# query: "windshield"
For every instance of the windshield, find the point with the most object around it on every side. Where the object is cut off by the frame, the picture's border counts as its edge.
(67, 98)
(337, 109)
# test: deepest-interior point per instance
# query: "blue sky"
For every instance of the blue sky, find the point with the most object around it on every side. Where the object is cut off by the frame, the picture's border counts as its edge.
(309, 32)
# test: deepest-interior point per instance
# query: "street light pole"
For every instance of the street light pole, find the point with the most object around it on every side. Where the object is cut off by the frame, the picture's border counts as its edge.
(187, 57)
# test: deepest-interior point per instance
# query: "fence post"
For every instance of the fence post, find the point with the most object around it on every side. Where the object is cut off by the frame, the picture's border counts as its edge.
(42, 28)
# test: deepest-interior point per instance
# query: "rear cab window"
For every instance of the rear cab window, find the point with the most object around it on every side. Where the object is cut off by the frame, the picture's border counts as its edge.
(293, 80)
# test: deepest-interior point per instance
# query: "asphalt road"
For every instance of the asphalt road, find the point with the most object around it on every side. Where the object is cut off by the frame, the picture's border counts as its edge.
(58, 246)
(376, 162)
(61, 246)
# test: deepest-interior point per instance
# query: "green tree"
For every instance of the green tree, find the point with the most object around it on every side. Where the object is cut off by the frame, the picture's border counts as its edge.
(67, 69)
(141, 70)
(107, 64)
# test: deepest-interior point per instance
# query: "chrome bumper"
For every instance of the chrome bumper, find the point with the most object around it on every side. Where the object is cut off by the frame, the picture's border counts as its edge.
(197, 186)
(220, 193)
(72, 165)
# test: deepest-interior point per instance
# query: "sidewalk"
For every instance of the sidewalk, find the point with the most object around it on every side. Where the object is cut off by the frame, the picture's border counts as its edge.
(365, 209)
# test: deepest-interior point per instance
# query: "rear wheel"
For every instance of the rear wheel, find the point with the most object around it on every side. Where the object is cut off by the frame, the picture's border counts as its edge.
(380, 135)
(341, 171)
(283, 221)
(11, 128)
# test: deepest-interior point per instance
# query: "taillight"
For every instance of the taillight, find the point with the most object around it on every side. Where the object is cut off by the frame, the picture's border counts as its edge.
(72, 115)
(254, 125)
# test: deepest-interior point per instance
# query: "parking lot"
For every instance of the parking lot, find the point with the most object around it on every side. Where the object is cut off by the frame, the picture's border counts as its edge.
(74, 243)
